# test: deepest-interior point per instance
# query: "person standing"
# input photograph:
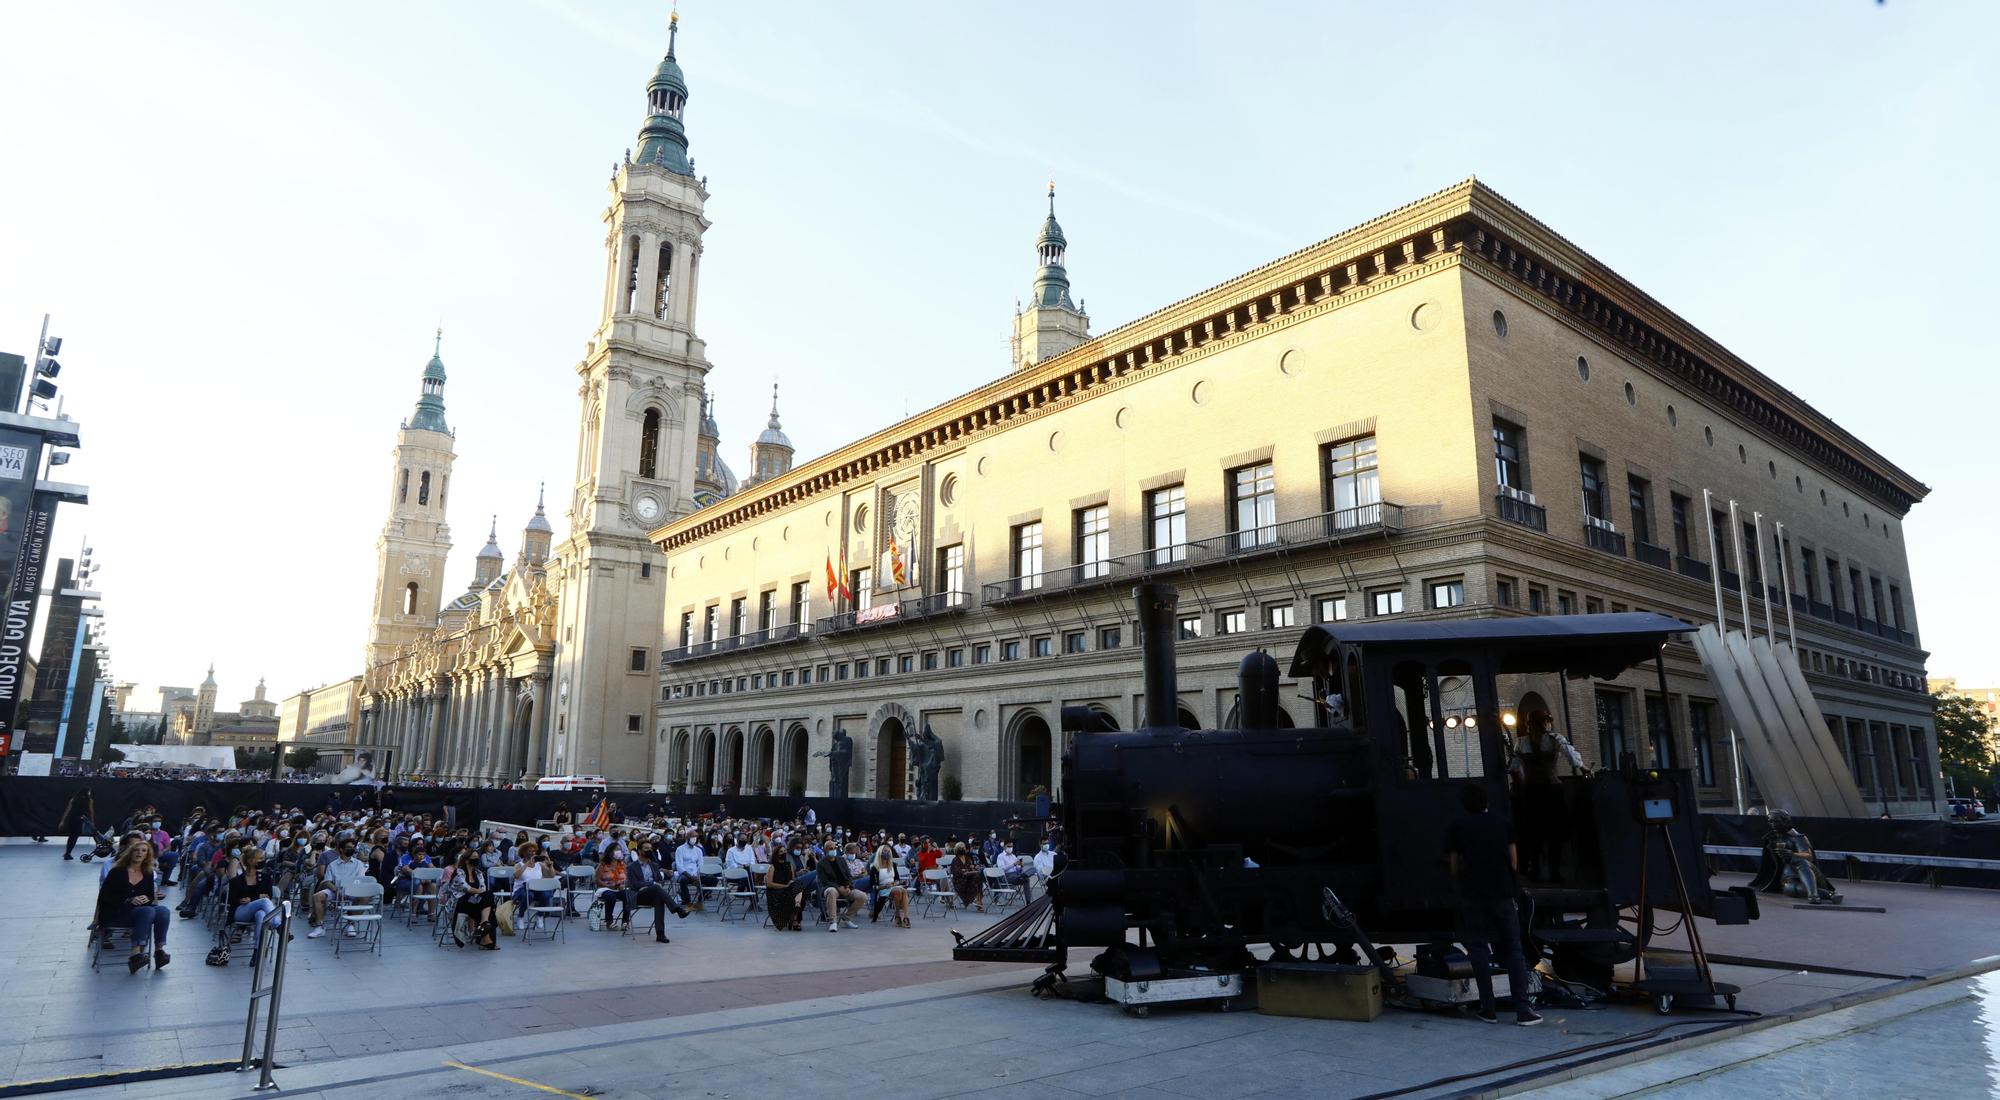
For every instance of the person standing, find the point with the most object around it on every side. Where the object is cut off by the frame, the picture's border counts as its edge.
(1482, 854)
(1541, 812)
(79, 817)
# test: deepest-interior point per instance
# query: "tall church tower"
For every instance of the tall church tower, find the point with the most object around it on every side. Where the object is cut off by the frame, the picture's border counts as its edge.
(409, 557)
(1052, 324)
(771, 455)
(642, 407)
(204, 710)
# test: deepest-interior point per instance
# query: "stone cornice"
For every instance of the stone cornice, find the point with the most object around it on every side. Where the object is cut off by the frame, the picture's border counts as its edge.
(1468, 220)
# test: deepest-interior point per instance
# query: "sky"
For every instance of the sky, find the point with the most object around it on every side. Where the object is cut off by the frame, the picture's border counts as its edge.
(248, 219)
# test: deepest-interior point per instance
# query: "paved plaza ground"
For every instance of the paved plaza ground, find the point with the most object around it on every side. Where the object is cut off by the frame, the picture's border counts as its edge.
(732, 1010)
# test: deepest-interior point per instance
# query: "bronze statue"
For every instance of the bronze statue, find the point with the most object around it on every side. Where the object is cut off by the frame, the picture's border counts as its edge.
(1799, 873)
(927, 756)
(837, 760)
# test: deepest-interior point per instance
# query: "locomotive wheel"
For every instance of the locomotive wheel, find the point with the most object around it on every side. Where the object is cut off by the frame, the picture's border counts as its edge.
(1141, 1011)
(1664, 1004)
(1731, 1001)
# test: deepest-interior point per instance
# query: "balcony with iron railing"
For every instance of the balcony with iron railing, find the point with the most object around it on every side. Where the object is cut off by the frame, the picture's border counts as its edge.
(1522, 510)
(753, 639)
(914, 609)
(1659, 557)
(1322, 529)
(1599, 535)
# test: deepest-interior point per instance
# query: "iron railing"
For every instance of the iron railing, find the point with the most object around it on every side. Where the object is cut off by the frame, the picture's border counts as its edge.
(1659, 557)
(1515, 510)
(1603, 538)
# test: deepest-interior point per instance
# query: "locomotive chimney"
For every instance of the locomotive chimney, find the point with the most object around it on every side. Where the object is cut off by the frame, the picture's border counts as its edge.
(1157, 625)
(1257, 692)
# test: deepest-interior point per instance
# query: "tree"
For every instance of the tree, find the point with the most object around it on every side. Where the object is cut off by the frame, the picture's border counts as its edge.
(303, 757)
(1966, 742)
(255, 760)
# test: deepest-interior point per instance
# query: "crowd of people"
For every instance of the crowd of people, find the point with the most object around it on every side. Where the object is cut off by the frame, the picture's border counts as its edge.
(253, 859)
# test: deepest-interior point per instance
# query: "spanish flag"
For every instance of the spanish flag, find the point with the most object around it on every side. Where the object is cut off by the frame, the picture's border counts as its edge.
(832, 579)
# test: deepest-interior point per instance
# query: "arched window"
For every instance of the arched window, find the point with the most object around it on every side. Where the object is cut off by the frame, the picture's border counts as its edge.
(632, 275)
(403, 494)
(663, 285)
(424, 488)
(444, 482)
(410, 598)
(649, 443)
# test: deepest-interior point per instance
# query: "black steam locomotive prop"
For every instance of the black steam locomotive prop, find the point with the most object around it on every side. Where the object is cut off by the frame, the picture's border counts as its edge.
(1187, 847)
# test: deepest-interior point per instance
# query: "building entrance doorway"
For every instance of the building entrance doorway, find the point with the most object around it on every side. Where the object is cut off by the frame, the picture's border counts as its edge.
(892, 760)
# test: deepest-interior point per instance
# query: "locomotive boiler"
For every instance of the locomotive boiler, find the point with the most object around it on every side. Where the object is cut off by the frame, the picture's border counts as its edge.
(1185, 849)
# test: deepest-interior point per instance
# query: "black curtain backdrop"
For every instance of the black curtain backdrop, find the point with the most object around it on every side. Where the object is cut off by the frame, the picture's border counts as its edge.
(33, 805)
(1904, 836)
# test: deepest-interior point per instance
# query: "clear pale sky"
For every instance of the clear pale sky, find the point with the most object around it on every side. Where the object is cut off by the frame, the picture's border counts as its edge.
(248, 218)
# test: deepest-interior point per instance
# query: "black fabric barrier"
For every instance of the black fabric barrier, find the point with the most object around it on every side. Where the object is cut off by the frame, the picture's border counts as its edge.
(33, 805)
(1896, 836)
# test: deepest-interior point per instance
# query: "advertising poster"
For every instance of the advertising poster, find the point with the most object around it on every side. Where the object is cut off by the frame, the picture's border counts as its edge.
(24, 550)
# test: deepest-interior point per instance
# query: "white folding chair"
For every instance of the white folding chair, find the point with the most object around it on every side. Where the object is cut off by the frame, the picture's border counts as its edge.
(360, 902)
(937, 888)
(712, 886)
(425, 883)
(737, 894)
(580, 881)
(999, 892)
(546, 912)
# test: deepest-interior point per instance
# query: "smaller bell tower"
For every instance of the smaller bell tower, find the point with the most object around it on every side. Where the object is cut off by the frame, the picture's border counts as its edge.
(409, 556)
(1052, 323)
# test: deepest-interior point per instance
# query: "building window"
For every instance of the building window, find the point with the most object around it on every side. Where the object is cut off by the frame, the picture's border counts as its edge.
(757, 681)
(881, 666)
(1809, 569)
(1896, 606)
(645, 570)
(1593, 606)
(737, 609)
(1854, 592)
(1073, 642)
(1010, 650)
(840, 671)
(687, 629)
(1639, 492)
(1253, 498)
(410, 598)
(1230, 622)
(1353, 483)
(1027, 542)
(1279, 616)
(1446, 593)
(1659, 732)
(1190, 627)
(1504, 591)
(1331, 609)
(1565, 602)
(1042, 646)
(951, 574)
(982, 654)
(1679, 506)
(789, 677)
(930, 660)
(1510, 467)
(1591, 471)
(631, 723)
(638, 663)
(1701, 733)
(1093, 542)
(709, 615)
(649, 443)
(424, 487)
(767, 610)
(1538, 599)
(1833, 581)
(1166, 535)
(906, 663)
(1875, 599)
(403, 493)
(1719, 548)
(801, 609)
(1749, 548)
(1385, 601)
(1610, 728)
(1110, 637)
(954, 657)
(862, 583)
(861, 669)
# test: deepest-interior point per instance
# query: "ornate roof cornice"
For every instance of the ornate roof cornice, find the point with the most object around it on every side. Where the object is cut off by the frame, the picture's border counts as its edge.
(1469, 223)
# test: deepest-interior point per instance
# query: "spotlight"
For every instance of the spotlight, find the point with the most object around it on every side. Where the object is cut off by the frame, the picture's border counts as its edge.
(1507, 719)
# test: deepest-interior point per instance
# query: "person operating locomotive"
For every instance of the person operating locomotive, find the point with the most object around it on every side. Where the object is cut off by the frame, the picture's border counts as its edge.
(1540, 818)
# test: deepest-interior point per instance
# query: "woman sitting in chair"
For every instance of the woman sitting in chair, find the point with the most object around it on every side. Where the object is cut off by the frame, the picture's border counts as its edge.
(782, 891)
(130, 894)
(967, 878)
(882, 883)
(475, 901)
(252, 896)
(611, 888)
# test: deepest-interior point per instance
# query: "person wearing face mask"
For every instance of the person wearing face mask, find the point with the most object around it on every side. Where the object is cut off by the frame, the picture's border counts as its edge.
(1010, 865)
(1045, 860)
(782, 890)
(646, 885)
(340, 873)
(989, 849)
(687, 870)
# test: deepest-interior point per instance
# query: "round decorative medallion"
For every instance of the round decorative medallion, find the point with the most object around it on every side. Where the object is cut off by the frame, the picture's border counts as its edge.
(1055, 441)
(1293, 362)
(1424, 317)
(860, 518)
(1199, 395)
(1582, 369)
(1499, 324)
(1631, 395)
(948, 490)
(984, 464)
(1673, 418)
(1123, 418)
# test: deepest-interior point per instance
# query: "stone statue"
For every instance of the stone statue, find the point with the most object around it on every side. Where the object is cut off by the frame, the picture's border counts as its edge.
(1799, 873)
(927, 756)
(837, 760)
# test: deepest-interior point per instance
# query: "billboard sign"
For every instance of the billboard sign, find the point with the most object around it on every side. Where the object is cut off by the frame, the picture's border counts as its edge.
(25, 519)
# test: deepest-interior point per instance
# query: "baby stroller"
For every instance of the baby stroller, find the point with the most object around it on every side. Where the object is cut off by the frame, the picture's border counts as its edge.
(103, 849)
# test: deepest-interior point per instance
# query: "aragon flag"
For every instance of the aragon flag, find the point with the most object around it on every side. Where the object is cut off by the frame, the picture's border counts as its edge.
(896, 568)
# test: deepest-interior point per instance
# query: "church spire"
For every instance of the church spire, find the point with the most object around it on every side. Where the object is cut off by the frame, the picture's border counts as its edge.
(663, 139)
(1051, 282)
(1052, 323)
(430, 405)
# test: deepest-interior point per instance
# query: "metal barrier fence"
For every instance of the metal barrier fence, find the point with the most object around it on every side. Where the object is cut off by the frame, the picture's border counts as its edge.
(275, 991)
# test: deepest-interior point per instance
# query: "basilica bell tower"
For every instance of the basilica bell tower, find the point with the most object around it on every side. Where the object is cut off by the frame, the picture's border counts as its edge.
(409, 557)
(640, 387)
